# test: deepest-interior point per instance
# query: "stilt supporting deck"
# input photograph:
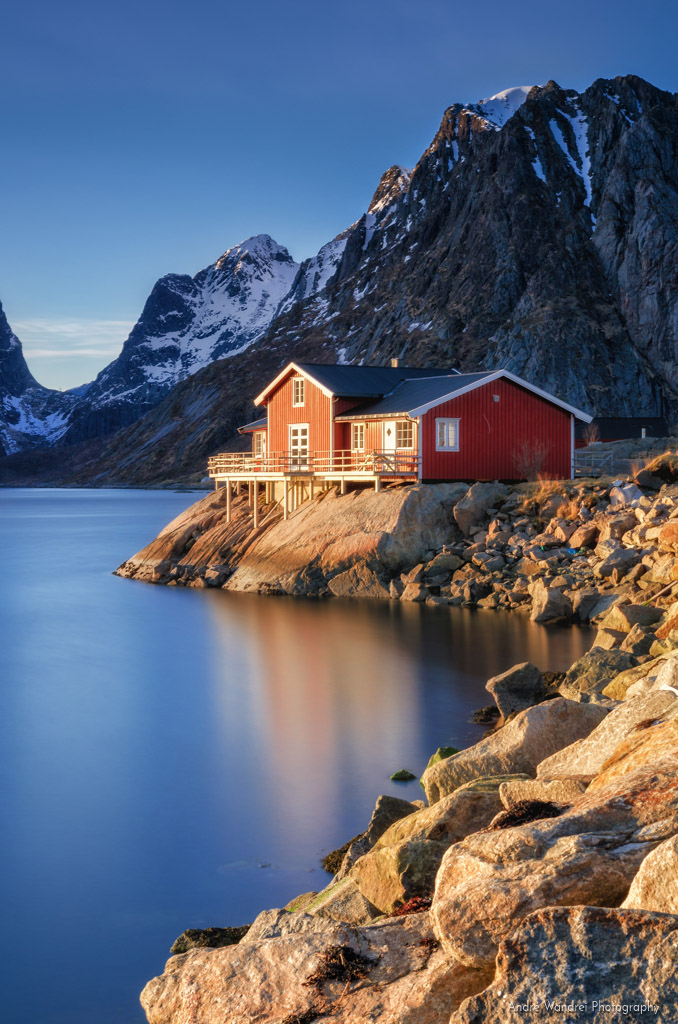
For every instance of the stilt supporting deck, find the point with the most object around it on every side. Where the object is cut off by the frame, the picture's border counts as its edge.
(342, 486)
(377, 484)
(255, 507)
(286, 498)
(312, 488)
(228, 501)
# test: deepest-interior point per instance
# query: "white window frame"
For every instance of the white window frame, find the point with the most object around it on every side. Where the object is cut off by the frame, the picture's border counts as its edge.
(399, 425)
(358, 429)
(298, 388)
(259, 443)
(445, 422)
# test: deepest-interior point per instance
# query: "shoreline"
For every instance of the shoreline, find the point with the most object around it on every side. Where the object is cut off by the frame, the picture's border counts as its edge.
(580, 772)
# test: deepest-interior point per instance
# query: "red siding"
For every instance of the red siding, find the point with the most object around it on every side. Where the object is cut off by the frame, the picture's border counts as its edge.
(315, 411)
(492, 433)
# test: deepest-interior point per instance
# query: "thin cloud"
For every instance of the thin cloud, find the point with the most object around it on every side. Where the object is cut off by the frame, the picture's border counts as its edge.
(47, 338)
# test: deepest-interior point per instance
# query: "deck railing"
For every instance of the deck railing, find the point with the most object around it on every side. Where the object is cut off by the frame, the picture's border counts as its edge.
(371, 463)
(593, 463)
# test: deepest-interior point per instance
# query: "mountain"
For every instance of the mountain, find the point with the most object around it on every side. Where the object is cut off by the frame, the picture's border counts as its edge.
(538, 231)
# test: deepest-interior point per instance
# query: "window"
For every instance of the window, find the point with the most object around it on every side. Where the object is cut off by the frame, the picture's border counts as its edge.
(358, 437)
(404, 434)
(298, 390)
(258, 443)
(447, 435)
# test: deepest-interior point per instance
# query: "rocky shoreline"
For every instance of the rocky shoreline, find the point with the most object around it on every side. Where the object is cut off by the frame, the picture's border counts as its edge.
(540, 876)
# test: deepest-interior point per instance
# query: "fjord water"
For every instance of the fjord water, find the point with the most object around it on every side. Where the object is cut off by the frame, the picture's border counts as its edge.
(178, 758)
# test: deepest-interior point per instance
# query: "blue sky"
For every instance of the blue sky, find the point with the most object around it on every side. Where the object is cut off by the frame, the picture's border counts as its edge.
(146, 137)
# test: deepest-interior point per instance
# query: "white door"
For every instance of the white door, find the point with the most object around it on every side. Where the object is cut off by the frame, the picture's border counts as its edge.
(389, 440)
(299, 446)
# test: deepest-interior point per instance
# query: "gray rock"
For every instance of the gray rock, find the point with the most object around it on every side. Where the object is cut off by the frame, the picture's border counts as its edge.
(557, 791)
(471, 510)
(516, 689)
(592, 673)
(549, 603)
(622, 560)
(387, 810)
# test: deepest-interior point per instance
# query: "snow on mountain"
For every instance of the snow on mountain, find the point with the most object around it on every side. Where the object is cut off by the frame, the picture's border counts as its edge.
(497, 110)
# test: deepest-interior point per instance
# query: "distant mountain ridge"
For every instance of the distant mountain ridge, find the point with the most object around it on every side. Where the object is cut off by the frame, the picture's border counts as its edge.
(538, 231)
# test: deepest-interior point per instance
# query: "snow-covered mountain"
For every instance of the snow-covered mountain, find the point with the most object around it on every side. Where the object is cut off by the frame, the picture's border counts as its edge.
(538, 231)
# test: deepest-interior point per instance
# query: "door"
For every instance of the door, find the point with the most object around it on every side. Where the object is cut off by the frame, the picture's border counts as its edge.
(299, 446)
(389, 441)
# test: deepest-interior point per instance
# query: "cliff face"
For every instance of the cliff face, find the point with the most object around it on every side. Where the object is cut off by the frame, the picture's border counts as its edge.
(538, 232)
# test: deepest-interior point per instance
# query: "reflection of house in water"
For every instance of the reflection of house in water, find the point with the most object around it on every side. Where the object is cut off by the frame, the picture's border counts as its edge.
(347, 425)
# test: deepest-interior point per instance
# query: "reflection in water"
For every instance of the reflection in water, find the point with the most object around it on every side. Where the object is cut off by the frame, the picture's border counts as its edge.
(339, 694)
(177, 758)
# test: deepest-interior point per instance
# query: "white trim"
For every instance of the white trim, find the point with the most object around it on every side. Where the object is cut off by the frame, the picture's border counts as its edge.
(497, 375)
(571, 447)
(354, 424)
(409, 423)
(281, 376)
(447, 447)
(420, 453)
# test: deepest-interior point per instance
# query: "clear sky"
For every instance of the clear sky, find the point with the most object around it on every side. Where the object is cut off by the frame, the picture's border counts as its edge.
(144, 137)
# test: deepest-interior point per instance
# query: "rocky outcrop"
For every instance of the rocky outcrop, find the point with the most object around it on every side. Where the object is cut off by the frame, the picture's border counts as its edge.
(520, 746)
(655, 887)
(625, 969)
(293, 967)
(517, 689)
(588, 855)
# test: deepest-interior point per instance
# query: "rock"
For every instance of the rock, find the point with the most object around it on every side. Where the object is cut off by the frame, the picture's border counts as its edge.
(395, 589)
(608, 639)
(516, 689)
(668, 535)
(414, 592)
(404, 862)
(655, 887)
(343, 901)
(592, 672)
(548, 603)
(646, 674)
(299, 904)
(587, 855)
(441, 753)
(614, 527)
(208, 938)
(667, 627)
(597, 958)
(637, 641)
(518, 747)
(402, 775)
(625, 494)
(625, 616)
(621, 560)
(295, 964)
(586, 757)
(471, 510)
(443, 563)
(558, 791)
(387, 810)
(652, 740)
(583, 602)
(585, 536)
(648, 480)
(359, 581)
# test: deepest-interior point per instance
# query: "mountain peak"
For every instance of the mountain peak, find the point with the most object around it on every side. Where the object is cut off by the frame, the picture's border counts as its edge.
(498, 109)
(394, 182)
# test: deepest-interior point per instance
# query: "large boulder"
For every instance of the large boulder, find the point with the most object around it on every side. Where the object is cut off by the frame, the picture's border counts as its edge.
(387, 810)
(588, 855)
(593, 672)
(549, 603)
(586, 756)
(622, 560)
(343, 901)
(655, 887)
(518, 747)
(582, 964)
(516, 689)
(404, 862)
(471, 510)
(293, 967)
(556, 791)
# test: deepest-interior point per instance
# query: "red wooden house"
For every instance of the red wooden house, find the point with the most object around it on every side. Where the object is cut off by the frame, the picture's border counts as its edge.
(331, 424)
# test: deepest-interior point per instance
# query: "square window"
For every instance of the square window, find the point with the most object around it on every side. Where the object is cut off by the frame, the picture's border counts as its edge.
(358, 437)
(447, 435)
(404, 434)
(298, 390)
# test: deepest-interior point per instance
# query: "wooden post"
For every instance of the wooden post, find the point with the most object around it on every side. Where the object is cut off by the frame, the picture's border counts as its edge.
(255, 488)
(377, 484)
(228, 501)
(342, 486)
(312, 488)
(249, 493)
(286, 498)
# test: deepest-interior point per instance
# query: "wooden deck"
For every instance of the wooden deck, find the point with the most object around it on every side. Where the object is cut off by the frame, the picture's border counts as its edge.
(321, 468)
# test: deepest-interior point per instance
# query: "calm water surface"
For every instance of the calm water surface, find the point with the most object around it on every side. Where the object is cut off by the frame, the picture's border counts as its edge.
(181, 758)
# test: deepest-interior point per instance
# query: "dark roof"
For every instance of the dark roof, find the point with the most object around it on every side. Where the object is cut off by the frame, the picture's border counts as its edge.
(365, 381)
(259, 424)
(411, 394)
(619, 428)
